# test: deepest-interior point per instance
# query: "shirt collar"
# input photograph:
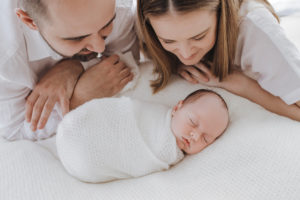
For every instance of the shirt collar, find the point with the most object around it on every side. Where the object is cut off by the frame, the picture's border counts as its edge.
(37, 47)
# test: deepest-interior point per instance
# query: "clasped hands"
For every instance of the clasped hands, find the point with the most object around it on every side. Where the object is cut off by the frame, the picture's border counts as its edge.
(69, 85)
(199, 73)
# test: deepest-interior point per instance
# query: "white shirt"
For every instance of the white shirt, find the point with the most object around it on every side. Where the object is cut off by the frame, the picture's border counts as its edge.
(24, 58)
(265, 53)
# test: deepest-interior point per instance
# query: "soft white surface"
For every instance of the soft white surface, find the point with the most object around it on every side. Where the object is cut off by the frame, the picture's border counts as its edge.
(116, 138)
(257, 158)
(286, 7)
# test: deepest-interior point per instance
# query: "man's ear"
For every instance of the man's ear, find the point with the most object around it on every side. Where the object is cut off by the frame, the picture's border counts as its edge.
(26, 19)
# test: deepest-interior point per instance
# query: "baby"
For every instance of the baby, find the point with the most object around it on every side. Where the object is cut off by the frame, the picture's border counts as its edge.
(116, 138)
(199, 120)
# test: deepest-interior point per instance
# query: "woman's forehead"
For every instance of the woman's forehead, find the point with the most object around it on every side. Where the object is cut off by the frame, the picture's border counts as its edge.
(175, 26)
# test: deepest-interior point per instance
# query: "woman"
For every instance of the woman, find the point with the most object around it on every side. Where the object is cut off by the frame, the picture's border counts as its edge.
(210, 42)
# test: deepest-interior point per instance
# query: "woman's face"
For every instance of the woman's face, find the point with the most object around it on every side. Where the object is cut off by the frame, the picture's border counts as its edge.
(189, 36)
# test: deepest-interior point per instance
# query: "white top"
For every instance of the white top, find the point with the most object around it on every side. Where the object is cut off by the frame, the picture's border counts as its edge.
(25, 56)
(265, 53)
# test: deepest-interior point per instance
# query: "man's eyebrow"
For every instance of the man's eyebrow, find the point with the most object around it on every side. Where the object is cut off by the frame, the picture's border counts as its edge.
(84, 36)
(110, 21)
(205, 31)
(76, 38)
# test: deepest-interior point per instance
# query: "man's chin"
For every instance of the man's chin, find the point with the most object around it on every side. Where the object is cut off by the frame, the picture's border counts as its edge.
(85, 57)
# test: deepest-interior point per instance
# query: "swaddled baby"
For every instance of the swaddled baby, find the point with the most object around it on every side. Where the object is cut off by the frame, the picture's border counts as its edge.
(116, 138)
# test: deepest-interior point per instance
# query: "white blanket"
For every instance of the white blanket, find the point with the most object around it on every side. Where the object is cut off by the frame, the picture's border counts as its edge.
(258, 157)
(116, 138)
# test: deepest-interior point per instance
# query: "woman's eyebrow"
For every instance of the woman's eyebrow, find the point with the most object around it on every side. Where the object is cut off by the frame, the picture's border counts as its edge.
(84, 36)
(205, 31)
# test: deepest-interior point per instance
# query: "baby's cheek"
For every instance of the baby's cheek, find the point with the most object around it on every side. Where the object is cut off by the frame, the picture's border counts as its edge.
(179, 144)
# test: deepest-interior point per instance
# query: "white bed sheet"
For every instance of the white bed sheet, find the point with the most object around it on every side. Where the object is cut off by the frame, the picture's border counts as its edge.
(257, 158)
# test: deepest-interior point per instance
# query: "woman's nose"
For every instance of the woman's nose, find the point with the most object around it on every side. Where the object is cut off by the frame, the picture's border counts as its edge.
(96, 44)
(185, 50)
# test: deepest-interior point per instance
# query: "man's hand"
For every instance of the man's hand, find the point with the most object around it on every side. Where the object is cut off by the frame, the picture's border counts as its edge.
(298, 104)
(104, 79)
(57, 85)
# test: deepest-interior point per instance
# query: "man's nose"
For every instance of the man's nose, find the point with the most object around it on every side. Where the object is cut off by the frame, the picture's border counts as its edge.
(96, 44)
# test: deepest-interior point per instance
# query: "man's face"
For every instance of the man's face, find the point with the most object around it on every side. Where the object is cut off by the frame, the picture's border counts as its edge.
(78, 28)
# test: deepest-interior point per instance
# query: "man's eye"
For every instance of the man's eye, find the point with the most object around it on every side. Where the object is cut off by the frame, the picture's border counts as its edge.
(77, 39)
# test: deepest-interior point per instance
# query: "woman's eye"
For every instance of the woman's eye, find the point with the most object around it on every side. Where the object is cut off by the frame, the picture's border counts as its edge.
(168, 41)
(200, 38)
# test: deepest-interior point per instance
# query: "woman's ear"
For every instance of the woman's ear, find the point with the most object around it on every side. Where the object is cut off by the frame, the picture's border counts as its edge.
(26, 19)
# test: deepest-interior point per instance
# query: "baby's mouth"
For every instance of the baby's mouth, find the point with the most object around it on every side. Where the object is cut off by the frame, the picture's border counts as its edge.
(186, 141)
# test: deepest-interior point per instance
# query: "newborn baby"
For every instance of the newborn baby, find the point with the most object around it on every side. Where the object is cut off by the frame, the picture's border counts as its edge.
(116, 138)
(199, 120)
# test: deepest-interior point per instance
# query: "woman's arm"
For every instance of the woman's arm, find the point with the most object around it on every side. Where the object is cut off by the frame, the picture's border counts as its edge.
(243, 86)
(248, 88)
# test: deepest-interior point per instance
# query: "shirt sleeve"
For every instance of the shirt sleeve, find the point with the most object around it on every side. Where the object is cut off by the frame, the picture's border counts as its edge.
(264, 51)
(14, 88)
(123, 37)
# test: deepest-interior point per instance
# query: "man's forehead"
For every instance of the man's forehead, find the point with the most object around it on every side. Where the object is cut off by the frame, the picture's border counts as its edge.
(74, 18)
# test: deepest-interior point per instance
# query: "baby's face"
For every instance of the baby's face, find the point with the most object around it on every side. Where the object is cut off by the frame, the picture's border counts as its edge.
(197, 124)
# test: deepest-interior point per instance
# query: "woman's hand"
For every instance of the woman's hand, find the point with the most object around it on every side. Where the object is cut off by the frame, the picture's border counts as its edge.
(199, 73)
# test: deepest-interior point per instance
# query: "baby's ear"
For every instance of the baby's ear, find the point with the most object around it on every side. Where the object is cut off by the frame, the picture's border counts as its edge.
(178, 106)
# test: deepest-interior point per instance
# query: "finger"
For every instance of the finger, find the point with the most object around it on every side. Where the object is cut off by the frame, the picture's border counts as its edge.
(203, 68)
(30, 101)
(198, 74)
(187, 76)
(113, 59)
(125, 72)
(65, 105)
(120, 66)
(125, 80)
(37, 110)
(48, 107)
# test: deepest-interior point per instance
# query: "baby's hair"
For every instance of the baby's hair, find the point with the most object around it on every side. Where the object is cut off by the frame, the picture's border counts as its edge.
(201, 92)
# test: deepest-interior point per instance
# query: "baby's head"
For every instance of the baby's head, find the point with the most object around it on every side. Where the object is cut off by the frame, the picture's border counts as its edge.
(198, 120)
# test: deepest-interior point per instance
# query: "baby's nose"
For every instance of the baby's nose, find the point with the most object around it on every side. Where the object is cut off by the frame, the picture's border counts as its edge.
(194, 135)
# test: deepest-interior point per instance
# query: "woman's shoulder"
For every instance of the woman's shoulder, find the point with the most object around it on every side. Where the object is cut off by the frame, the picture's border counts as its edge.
(254, 12)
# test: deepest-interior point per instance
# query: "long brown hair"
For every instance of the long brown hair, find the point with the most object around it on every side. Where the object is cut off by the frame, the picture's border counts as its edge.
(221, 56)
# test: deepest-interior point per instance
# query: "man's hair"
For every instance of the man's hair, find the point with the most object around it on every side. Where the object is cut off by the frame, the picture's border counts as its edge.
(201, 92)
(36, 9)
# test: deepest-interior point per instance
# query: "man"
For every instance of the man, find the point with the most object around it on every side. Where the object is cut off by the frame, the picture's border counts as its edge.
(43, 41)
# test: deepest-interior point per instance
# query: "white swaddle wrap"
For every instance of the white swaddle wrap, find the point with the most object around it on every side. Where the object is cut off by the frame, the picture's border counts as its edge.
(116, 138)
